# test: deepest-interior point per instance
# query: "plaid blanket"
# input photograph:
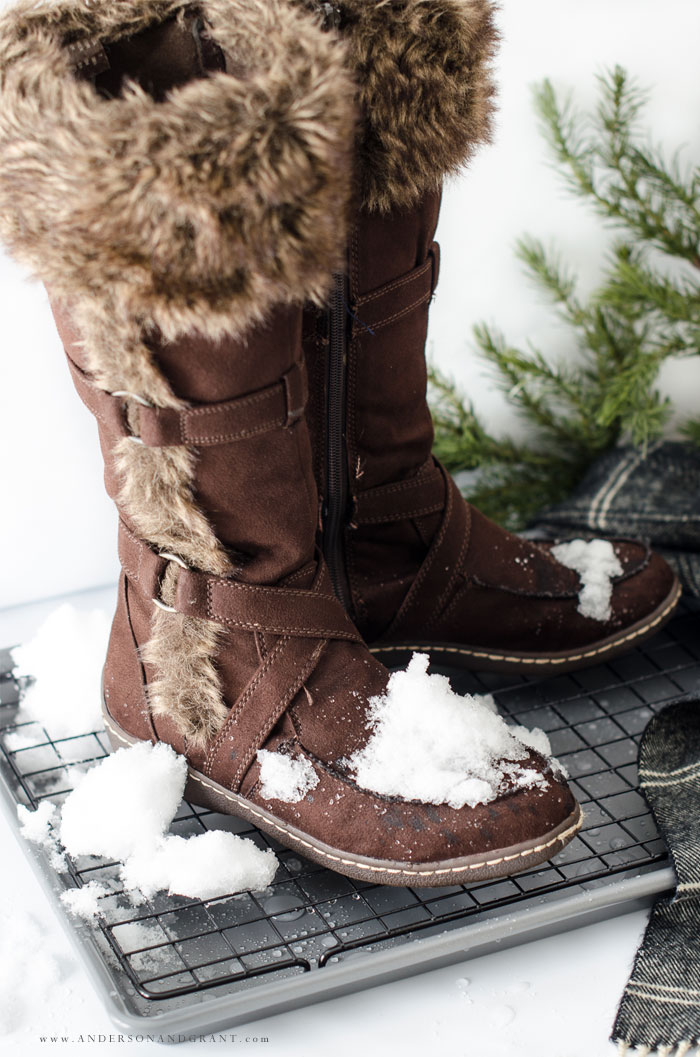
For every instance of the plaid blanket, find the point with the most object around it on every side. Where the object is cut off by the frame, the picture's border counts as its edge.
(627, 493)
(660, 1009)
(657, 497)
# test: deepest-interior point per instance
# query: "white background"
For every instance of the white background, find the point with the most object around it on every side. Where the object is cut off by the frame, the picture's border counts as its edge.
(555, 998)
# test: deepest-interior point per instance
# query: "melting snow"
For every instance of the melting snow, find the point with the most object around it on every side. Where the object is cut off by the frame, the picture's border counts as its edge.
(65, 659)
(84, 902)
(596, 563)
(284, 778)
(204, 866)
(121, 810)
(428, 743)
(16, 741)
(37, 825)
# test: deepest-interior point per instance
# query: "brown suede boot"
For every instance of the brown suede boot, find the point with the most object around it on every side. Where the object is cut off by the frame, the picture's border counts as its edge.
(179, 178)
(416, 567)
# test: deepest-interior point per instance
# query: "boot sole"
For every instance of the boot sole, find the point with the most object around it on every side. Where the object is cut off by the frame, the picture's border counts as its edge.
(203, 791)
(476, 658)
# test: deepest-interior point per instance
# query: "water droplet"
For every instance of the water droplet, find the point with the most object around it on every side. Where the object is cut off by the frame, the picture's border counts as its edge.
(519, 988)
(501, 1016)
(284, 908)
(617, 843)
(298, 949)
(327, 941)
(277, 954)
(293, 864)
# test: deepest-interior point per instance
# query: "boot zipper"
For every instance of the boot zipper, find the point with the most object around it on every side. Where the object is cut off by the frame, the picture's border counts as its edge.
(336, 497)
(335, 500)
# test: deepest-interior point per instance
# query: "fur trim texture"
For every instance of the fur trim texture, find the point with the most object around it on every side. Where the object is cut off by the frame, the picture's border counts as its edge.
(156, 497)
(199, 211)
(425, 89)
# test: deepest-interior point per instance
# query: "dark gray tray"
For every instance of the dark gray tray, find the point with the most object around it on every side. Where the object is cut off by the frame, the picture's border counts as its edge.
(175, 967)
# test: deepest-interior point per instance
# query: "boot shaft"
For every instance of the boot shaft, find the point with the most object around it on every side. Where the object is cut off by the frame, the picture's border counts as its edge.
(370, 422)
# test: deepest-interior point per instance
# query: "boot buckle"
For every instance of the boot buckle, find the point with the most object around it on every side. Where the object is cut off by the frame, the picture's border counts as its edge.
(172, 558)
(124, 393)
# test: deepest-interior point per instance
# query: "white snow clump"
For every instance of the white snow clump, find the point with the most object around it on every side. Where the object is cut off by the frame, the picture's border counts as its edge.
(84, 902)
(125, 803)
(284, 778)
(429, 744)
(65, 659)
(121, 811)
(596, 563)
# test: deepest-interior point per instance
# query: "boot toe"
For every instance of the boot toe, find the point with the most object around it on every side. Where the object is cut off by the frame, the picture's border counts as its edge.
(388, 840)
(647, 582)
(646, 589)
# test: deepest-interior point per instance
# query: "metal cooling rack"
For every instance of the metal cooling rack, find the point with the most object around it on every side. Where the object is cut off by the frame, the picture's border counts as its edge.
(178, 965)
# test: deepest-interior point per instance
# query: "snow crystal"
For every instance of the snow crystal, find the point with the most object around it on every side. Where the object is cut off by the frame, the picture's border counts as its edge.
(84, 902)
(37, 826)
(429, 744)
(596, 563)
(535, 739)
(65, 659)
(124, 803)
(284, 778)
(204, 866)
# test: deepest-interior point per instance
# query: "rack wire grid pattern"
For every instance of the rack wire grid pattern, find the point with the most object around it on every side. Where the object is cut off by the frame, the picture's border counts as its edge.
(169, 951)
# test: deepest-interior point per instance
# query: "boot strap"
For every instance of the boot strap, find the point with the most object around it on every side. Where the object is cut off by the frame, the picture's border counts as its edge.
(269, 693)
(415, 497)
(313, 614)
(441, 571)
(274, 407)
(396, 299)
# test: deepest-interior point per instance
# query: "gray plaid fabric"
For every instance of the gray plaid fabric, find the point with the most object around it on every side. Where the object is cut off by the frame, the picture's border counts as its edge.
(660, 1008)
(656, 498)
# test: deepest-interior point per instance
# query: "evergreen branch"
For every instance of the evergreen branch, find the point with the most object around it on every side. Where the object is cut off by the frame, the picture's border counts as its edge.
(618, 193)
(641, 315)
(691, 430)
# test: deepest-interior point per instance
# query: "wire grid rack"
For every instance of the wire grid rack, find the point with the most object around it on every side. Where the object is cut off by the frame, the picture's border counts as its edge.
(171, 953)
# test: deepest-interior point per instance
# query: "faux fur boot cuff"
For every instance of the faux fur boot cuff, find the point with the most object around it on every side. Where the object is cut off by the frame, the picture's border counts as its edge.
(424, 82)
(198, 209)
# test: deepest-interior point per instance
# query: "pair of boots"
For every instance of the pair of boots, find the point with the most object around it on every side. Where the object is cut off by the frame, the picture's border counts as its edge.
(233, 204)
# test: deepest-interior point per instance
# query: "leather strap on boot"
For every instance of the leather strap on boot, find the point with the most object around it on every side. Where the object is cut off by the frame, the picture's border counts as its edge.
(304, 620)
(275, 406)
(389, 303)
(313, 613)
(442, 567)
(415, 497)
(271, 690)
